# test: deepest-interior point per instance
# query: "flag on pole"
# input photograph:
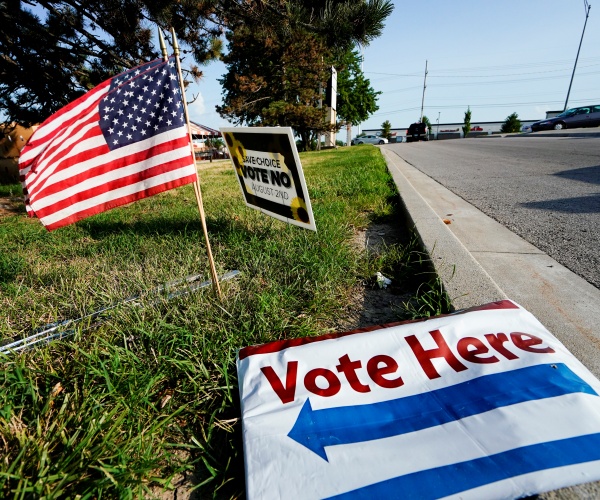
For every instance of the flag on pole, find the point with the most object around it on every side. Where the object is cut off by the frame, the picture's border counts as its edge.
(124, 140)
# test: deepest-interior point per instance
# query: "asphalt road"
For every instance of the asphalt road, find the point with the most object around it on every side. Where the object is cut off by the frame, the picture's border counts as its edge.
(545, 189)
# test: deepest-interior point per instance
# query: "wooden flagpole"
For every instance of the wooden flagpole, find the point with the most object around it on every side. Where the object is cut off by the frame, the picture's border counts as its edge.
(197, 191)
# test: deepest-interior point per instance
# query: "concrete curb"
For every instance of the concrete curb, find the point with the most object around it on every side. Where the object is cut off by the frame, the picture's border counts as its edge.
(465, 281)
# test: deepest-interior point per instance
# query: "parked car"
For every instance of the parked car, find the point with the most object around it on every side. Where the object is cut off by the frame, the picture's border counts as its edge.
(369, 139)
(584, 116)
(417, 132)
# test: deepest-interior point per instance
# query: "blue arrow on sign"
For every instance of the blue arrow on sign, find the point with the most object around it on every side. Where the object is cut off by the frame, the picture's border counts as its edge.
(317, 429)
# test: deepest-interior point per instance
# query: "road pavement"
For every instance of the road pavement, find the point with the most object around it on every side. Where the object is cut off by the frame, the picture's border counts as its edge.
(479, 260)
(544, 189)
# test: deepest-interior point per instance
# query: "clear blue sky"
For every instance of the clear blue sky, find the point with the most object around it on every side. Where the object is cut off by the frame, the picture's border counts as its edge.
(496, 57)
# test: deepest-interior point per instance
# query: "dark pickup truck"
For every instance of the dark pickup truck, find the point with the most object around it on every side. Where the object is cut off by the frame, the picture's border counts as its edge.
(417, 132)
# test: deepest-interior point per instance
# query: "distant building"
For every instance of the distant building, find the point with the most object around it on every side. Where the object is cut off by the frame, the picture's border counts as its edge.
(450, 130)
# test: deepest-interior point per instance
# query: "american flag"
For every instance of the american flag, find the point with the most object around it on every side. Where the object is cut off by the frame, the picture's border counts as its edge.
(124, 140)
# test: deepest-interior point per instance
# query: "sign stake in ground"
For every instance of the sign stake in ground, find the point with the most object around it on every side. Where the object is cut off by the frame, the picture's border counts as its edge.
(197, 190)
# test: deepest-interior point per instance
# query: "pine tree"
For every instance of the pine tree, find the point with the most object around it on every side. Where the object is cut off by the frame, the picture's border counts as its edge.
(467, 126)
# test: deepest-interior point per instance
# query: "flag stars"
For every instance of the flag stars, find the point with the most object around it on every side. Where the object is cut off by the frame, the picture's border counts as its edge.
(141, 109)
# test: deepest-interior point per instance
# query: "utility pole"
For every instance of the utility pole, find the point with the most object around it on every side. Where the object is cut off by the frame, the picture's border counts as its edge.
(437, 135)
(587, 8)
(424, 87)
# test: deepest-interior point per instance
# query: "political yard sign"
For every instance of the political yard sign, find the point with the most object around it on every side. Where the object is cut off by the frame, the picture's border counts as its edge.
(483, 403)
(268, 167)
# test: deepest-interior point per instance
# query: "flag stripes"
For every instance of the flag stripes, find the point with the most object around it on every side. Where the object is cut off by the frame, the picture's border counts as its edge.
(93, 172)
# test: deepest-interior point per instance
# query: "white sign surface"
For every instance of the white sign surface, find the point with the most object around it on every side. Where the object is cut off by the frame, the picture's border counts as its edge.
(484, 403)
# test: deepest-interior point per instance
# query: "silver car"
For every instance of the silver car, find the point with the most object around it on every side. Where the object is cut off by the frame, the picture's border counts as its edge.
(369, 139)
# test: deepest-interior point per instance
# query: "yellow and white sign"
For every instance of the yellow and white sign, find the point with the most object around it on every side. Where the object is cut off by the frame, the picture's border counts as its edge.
(270, 173)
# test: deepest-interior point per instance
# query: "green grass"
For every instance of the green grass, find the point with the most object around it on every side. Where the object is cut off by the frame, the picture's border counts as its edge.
(149, 395)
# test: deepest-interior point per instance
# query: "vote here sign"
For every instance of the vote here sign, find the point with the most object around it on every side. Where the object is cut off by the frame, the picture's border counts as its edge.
(268, 168)
(484, 403)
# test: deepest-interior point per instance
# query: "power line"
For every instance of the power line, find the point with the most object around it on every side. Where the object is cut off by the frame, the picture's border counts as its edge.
(495, 105)
(564, 62)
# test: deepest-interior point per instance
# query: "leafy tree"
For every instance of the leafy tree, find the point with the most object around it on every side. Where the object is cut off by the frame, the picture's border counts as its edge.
(54, 55)
(277, 66)
(428, 123)
(467, 126)
(511, 124)
(356, 99)
(55, 50)
(386, 127)
(274, 81)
